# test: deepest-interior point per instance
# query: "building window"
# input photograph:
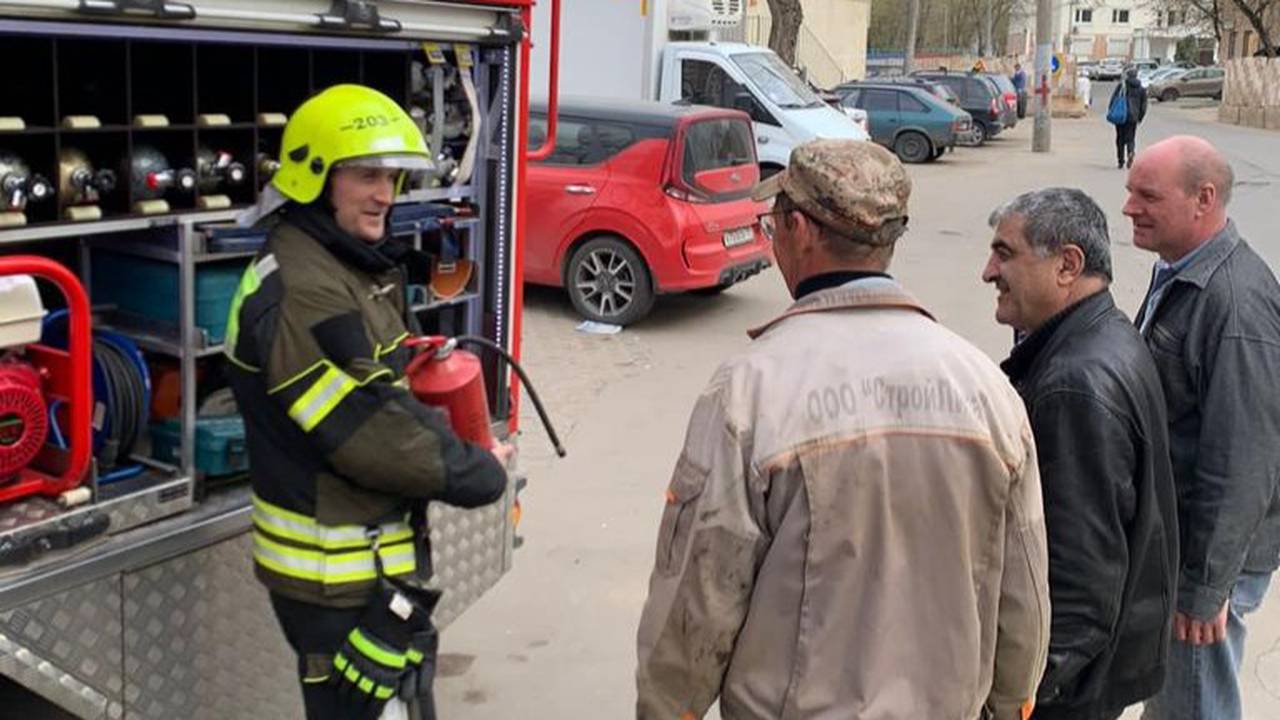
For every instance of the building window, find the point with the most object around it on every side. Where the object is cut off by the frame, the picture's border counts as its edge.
(1084, 16)
(1174, 19)
(1120, 17)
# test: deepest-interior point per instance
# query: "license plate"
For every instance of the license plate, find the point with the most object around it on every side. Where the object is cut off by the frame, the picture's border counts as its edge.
(739, 236)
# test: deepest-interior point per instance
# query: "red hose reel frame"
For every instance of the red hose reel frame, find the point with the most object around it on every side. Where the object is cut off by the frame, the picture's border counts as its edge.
(67, 376)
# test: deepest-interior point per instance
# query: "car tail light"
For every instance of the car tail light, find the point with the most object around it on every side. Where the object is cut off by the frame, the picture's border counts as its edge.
(995, 106)
(682, 194)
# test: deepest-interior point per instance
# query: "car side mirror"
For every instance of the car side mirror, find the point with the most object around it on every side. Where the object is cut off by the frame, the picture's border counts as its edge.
(742, 100)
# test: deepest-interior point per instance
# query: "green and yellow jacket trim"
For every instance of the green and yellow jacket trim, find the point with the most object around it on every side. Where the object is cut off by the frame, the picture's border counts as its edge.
(340, 451)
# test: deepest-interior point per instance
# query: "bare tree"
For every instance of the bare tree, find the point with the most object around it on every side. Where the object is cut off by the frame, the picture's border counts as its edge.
(988, 27)
(979, 25)
(1203, 14)
(913, 27)
(1256, 12)
(784, 31)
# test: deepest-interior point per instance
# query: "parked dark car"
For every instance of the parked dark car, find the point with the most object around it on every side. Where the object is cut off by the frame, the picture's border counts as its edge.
(939, 90)
(908, 119)
(978, 96)
(1009, 95)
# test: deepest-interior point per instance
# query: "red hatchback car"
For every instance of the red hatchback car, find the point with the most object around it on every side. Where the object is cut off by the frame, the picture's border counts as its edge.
(642, 198)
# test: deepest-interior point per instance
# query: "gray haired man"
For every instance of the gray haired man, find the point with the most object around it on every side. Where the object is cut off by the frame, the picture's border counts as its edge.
(1098, 413)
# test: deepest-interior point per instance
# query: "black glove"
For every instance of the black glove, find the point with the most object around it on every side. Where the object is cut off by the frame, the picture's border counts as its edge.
(374, 659)
(477, 489)
(418, 681)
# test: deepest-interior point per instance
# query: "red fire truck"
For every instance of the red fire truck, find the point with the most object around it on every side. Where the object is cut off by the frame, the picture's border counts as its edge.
(133, 134)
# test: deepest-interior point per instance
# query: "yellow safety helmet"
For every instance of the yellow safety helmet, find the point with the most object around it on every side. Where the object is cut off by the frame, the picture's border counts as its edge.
(346, 125)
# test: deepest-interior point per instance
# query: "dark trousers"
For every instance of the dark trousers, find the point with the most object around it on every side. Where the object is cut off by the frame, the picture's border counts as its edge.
(1057, 714)
(1126, 141)
(1022, 104)
(320, 631)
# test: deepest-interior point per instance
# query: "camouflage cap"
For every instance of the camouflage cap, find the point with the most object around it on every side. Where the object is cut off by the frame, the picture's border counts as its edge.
(851, 186)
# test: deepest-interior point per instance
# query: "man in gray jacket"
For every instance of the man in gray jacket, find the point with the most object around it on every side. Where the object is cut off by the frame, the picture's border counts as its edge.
(854, 526)
(1212, 320)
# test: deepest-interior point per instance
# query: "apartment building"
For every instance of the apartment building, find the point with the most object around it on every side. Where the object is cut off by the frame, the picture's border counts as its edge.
(1096, 29)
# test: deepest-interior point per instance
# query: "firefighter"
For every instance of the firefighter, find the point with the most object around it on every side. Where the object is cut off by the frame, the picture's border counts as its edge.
(343, 458)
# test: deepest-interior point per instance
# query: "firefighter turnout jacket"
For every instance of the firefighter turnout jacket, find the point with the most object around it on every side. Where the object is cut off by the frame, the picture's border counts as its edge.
(340, 451)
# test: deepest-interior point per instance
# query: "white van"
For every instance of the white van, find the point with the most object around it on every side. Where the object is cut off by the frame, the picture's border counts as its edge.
(755, 80)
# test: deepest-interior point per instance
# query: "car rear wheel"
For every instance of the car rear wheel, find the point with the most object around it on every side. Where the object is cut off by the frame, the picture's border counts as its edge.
(913, 147)
(979, 134)
(1169, 95)
(609, 282)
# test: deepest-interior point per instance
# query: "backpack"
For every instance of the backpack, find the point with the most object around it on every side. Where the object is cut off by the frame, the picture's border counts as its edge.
(1118, 111)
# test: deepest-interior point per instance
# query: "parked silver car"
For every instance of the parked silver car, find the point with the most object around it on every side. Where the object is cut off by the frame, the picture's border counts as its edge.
(1200, 82)
(1150, 77)
(1110, 69)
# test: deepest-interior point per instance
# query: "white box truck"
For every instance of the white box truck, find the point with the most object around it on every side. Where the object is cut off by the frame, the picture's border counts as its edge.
(624, 49)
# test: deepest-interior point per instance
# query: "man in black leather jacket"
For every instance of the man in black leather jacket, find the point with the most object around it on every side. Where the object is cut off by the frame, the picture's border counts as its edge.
(1096, 407)
(1212, 320)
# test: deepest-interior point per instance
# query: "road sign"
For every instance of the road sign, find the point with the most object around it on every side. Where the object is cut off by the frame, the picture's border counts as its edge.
(1057, 63)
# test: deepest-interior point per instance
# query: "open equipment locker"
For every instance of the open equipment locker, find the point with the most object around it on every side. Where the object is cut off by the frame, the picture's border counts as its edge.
(160, 617)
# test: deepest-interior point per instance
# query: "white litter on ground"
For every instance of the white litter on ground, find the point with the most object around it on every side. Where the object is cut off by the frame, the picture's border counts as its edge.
(598, 328)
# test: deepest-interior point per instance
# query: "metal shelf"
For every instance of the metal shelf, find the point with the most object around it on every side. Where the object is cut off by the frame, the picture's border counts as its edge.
(95, 227)
(437, 304)
(114, 127)
(465, 192)
(154, 251)
(29, 130)
(157, 340)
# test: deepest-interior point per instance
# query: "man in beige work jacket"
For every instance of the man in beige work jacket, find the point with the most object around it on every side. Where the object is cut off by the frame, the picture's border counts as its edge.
(854, 527)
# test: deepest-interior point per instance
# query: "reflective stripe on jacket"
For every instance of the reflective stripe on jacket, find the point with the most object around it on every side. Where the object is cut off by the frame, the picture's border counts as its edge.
(337, 444)
(296, 546)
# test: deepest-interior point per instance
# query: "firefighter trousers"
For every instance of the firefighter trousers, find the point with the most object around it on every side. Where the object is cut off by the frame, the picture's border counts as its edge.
(314, 631)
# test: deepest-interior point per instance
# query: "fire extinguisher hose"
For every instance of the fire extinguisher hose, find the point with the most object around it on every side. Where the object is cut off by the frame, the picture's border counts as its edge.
(524, 379)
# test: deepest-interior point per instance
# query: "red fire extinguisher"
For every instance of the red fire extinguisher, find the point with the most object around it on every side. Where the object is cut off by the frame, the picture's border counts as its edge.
(442, 375)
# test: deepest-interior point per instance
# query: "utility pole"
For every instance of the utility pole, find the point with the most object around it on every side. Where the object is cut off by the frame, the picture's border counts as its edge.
(1041, 138)
(913, 26)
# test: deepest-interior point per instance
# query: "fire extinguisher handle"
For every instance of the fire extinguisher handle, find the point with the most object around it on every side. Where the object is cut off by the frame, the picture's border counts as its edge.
(524, 379)
(433, 343)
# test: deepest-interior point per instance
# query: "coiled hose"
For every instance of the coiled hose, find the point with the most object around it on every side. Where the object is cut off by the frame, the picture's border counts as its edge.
(524, 380)
(125, 402)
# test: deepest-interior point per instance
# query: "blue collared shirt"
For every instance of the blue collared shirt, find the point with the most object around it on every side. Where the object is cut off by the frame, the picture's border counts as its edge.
(1169, 271)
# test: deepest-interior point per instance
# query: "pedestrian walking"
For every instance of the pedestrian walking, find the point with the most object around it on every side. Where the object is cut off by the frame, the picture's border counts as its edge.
(1212, 320)
(1098, 412)
(848, 534)
(1020, 85)
(1126, 109)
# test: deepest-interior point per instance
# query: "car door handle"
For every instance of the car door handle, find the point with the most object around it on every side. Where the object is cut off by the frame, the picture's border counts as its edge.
(579, 189)
(763, 140)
